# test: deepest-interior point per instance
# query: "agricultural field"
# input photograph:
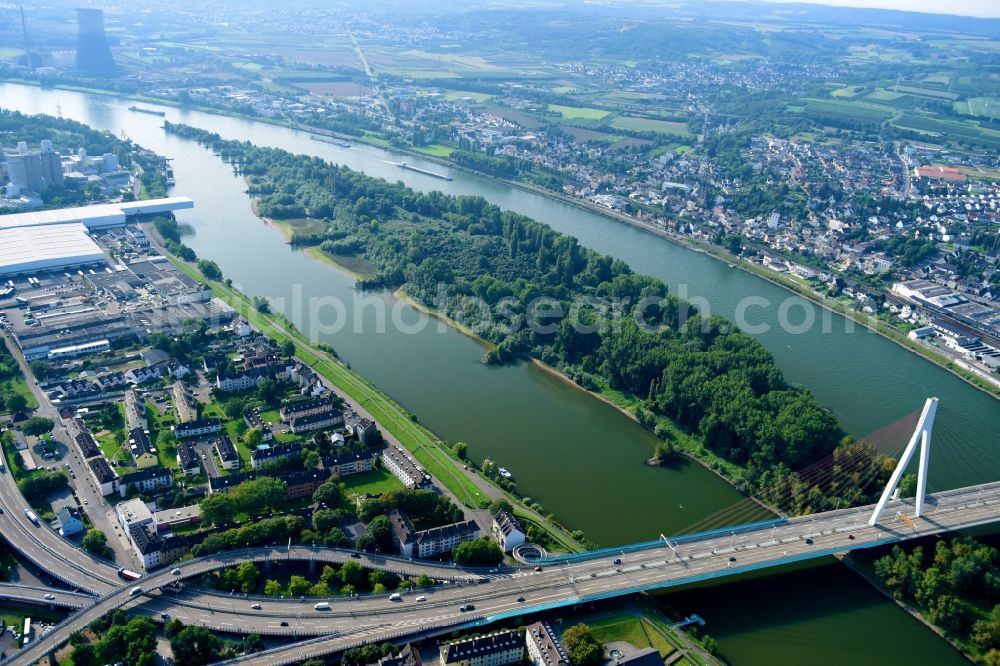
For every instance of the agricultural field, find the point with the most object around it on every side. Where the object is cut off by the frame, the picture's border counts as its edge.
(987, 107)
(466, 95)
(651, 125)
(578, 112)
(926, 92)
(335, 88)
(435, 149)
(847, 109)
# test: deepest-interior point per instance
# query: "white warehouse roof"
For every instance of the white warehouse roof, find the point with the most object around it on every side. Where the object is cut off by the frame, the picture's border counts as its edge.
(28, 249)
(96, 216)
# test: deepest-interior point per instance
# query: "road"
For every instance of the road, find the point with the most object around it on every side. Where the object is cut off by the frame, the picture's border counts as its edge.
(35, 594)
(564, 581)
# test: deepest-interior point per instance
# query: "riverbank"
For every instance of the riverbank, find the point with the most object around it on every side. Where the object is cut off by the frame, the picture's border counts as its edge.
(912, 611)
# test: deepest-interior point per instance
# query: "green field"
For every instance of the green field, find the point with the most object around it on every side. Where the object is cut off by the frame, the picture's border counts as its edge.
(987, 107)
(578, 112)
(375, 482)
(650, 125)
(926, 92)
(631, 629)
(435, 149)
(462, 94)
(847, 109)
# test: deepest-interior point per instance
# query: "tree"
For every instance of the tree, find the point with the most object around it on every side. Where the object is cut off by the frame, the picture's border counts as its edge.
(210, 269)
(424, 581)
(253, 438)
(254, 643)
(500, 504)
(298, 586)
(582, 647)
(461, 450)
(331, 493)
(986, 632)
(172, 628)
(908, 485)
(37, 426)
(269, 391)
(272, 588)
(218, 509)
(377, 537)
(195, 646)
(352, 573)
(288, 348)
(247, 576)
(478, 553)
(95, 541)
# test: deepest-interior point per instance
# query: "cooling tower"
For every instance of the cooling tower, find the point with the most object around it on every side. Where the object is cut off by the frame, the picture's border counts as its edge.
(92, 51)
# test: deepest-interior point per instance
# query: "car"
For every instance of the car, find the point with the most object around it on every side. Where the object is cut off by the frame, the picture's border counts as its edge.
(850, 537)
(255, 606)
(203, 457)
(1, 512)
(176, 572)
(50, 596)
(461, 609)
(421, 598)
(618, 560)
(809, 542)
(732, 558)
(538, 568)
(470, 607)
(85, 500)
(284, 624)
(356, 556)
(164, 616)
(520, 599)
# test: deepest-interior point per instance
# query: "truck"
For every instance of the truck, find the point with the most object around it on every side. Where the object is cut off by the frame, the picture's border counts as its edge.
(322, 606)
(395, 597)
(32, 517)
(125, 574)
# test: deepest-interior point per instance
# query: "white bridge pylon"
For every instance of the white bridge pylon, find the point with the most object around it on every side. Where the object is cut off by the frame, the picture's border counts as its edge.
(923, 435)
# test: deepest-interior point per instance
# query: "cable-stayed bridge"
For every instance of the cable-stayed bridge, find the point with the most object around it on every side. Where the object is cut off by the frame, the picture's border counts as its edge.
(572, 579)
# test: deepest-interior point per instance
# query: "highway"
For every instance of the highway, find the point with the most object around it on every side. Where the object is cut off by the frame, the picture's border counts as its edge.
(35, 594)
(563, 581)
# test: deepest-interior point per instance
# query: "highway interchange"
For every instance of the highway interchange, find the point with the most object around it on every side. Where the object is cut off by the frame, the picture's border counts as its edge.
(508, 592)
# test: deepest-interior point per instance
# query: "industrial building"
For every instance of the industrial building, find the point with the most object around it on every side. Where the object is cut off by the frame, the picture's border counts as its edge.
(58, 239)
(32, 249)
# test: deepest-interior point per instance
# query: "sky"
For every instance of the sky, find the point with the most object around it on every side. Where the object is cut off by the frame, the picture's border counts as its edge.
(983, 8)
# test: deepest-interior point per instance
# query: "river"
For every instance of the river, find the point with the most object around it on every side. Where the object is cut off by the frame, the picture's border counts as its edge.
(579, 457)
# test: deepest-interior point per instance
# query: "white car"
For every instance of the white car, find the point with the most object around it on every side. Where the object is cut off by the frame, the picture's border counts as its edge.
(421, 598)
(85, 500)
(50, 596)
(176, 572)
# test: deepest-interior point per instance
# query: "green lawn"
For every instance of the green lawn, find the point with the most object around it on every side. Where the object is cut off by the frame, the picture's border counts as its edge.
(435, 149)
(578, 112)
(375, 482)
(639, 632)
(19, 386)
(462, 94)
(650, 125)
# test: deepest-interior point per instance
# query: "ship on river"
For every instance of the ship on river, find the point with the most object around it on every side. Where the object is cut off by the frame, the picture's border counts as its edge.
(410, 167)
(152, 112)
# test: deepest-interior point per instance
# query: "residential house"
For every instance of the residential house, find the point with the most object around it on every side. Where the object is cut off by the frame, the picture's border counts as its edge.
(404, 467)
(228, 454)
(326, 420)
(184, 403)
(507, 531)
(197, 428)
(145, 480)
(135, 411)
(498, 649)
(297, 484)
(544, 648)
(142, 448)
(429, 542)
(187, 459)
(104, 475)
(266, 454)
(302, 408)
(350, 463)
(87, 445)
(139, 376)
(69, 521)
